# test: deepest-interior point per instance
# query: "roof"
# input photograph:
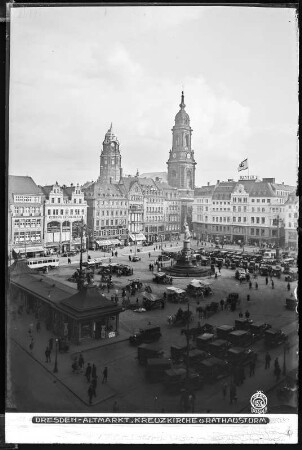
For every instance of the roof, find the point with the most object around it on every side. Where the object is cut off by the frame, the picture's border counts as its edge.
(101, 189)
(160, 175)
(22, 185)
(223, 190)
(67, 190)
(20, 267)
(89, 302)
(258, 188)
(204, 191)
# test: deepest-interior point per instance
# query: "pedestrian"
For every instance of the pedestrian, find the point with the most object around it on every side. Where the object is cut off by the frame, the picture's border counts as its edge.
(247, 314)
(267, 360)
(129, 258)
(88, 372)
(266, 281)
(108, 287)
(69, 261)
(149, 255)
(115, 407)
(277, 372)
(47, 355)
(273, 285)
(93, 371)
(256, 285)
(137, 301)
(276, 363)
(250, 285)
(31, 345)
(248, 298)
(105, 375)
(224, 390)
(221, 304)
(94, 385)
(240, 315)
(154, 249)
(90, 393)
(81, 361)
(288, 286)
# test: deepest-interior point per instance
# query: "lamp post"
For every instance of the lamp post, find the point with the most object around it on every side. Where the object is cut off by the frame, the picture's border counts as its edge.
(55, 370)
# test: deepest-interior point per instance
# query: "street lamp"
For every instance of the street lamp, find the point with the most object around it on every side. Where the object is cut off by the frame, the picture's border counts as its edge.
(55, 370)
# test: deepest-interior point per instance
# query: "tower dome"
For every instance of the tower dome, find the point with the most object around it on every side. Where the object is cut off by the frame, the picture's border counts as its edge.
(110, 136)
(182, 118)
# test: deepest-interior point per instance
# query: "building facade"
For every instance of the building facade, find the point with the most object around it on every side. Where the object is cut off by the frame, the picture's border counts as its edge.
(172, 210)
(107, 217)
(289, 216)
(110, 159)
(25, 216)
(134, 193)
(247, 211)
(65, 211)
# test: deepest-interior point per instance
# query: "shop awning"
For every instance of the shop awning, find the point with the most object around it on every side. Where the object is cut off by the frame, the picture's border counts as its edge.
(137, 237)
(103, 243)
(115, 241)
(28, 249)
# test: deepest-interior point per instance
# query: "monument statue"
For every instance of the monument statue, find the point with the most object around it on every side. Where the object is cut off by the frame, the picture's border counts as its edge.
(187, 231)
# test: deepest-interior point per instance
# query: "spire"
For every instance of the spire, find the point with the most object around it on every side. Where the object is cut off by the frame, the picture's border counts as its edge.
(110, 129)
(182, 104)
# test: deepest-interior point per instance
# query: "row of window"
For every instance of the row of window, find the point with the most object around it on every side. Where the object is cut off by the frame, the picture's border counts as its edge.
(30, 236)
(110, 232)
(58, 200)
(27, 210)
(27, 223)
(111, 213)
(26, 199)
(154, 219)
(67, 212)
(156, 209)
(108, 222)
(110, 203)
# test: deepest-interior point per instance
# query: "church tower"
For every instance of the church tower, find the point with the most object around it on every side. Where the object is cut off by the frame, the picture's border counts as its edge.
(110, 164)
(181, 163)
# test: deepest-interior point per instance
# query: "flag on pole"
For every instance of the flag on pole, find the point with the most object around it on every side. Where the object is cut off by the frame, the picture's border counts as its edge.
(243, 165)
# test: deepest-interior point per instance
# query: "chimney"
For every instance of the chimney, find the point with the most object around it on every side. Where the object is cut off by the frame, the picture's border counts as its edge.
(208, 183)
(71, 184)
(218, 181)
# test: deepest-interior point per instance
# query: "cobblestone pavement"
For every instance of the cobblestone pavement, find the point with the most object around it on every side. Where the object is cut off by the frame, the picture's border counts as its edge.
(126, 379)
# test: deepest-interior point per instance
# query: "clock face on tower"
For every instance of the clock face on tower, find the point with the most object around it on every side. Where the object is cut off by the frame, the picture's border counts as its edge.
(112, 145)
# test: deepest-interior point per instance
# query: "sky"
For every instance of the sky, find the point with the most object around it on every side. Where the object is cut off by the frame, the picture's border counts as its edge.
(75, 70)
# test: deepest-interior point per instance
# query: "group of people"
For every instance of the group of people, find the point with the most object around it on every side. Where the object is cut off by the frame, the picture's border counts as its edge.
(90, 373)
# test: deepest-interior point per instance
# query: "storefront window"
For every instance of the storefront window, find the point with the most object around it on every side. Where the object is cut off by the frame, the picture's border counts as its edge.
(86, 330)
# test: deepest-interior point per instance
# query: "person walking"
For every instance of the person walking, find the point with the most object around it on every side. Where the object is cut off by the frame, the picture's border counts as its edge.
(47, 355)
(247, 314)
(88, 372)
(69, 261)
(267, 360)
(266, 281)
(94, 385)
(221, 304)
(256, 285)
(250, 285)
(93, 371)
(81, 361)
(129, 257)
(149, 255)
(288, 286)
(277, 371)
(31, 345)
(248, 297)
(90, 394)
(105, 375)
(116, 407)
(273, 284)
